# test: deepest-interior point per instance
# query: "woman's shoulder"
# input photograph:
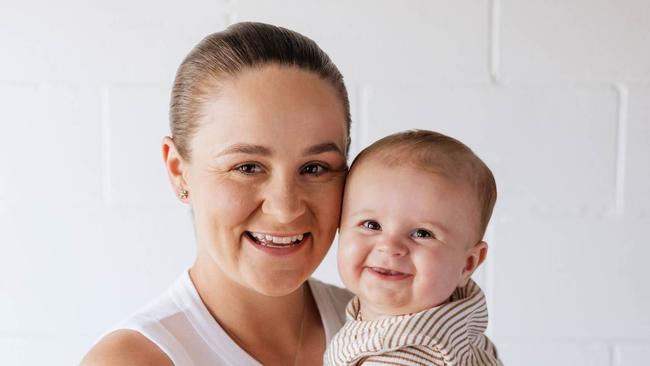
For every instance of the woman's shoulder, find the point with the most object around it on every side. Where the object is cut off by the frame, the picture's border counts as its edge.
(143, 338)
(125, 347)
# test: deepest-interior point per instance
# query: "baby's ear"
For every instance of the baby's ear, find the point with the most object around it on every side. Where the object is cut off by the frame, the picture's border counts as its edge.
(473, 258)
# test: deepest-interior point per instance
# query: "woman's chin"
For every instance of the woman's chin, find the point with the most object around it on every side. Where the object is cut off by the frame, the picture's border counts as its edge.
(279, 271)
(275, 285)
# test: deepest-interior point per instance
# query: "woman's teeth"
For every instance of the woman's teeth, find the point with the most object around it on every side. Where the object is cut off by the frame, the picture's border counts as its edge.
(270, 240)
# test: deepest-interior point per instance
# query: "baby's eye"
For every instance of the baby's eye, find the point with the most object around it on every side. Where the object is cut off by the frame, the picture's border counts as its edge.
(422, 233)
(371, 225)
(249, 168)
(314, 169)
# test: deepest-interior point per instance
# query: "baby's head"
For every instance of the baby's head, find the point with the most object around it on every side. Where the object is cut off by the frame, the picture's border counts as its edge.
(415, 210)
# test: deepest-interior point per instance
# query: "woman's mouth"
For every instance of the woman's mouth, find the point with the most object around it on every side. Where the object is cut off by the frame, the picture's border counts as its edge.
(278, 242)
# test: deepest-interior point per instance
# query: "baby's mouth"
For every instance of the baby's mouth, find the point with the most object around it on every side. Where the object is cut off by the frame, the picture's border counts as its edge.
(272, 241)
(388, 273)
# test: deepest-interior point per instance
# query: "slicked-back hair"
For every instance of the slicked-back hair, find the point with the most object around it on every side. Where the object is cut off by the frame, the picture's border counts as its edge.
(225, 54)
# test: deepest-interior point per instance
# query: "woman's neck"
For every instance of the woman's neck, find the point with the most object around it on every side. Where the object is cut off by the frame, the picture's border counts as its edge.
(269, 328)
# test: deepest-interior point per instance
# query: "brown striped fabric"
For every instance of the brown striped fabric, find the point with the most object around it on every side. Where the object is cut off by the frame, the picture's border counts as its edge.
(450, 334)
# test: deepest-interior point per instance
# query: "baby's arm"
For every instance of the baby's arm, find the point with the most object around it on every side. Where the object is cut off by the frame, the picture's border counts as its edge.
(483, 354)
(413, 355)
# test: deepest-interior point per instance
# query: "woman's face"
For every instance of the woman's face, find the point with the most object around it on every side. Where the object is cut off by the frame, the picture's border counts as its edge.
(266, 176)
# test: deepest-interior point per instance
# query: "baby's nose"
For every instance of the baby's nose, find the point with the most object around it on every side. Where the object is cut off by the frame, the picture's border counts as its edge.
(392, 247)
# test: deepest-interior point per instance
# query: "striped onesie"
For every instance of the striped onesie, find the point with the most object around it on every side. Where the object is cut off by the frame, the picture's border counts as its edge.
(449, 334)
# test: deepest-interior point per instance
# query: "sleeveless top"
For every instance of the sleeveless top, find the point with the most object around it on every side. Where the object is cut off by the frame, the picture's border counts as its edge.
(181, 326)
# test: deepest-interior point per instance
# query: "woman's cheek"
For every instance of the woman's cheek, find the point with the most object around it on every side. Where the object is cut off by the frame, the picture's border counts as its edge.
(231, 201)
(326, 205)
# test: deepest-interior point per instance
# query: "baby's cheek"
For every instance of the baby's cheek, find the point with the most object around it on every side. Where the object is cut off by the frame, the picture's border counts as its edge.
(349, 257)
(345, 250)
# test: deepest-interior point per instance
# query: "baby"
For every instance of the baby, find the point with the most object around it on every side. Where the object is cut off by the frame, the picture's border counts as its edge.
(415, 210)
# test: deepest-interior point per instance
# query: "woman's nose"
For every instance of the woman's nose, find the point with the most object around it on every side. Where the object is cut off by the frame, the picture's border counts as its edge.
(392, 246)
(283, 200)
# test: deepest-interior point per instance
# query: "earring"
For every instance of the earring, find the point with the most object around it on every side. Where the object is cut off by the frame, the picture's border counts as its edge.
(183, 193)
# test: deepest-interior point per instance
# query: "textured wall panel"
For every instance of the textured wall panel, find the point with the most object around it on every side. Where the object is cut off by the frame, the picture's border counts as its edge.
(579, 40)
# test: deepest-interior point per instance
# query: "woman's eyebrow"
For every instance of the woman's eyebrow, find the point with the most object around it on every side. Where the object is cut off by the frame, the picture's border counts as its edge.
(322, 148)
(246, 149)
(252, 149)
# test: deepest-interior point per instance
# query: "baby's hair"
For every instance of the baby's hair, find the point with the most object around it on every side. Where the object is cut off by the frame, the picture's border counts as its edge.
(439, 154)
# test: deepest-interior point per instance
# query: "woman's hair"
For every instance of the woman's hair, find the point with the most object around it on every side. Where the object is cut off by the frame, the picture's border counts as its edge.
(439, 154)
(225, 54)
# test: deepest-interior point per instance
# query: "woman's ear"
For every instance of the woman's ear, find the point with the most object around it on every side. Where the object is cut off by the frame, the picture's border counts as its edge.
(473, 258)
(175, 166)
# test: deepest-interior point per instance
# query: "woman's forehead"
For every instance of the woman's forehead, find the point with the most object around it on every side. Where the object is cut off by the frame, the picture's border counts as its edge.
(273, 107)
(274, 112)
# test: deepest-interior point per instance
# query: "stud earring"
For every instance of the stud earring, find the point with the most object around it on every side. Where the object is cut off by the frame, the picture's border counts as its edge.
(183, 193)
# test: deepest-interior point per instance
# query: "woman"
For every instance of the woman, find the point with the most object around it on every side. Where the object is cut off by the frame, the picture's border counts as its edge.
(260, 132)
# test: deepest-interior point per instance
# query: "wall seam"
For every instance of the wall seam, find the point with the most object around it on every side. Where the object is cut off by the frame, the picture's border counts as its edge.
(494, 45)
(615, 355)
(621, 147)
(105, 130)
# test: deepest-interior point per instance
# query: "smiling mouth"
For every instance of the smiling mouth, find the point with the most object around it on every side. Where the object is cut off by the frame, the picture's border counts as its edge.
(388, 273)
(279, 242)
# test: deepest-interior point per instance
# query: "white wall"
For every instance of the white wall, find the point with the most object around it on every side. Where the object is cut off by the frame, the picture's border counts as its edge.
(555, 95)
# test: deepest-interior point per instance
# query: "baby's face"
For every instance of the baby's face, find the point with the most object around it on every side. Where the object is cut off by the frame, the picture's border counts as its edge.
(404, 238)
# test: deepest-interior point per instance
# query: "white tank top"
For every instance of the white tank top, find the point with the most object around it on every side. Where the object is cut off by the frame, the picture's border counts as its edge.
(181, 326)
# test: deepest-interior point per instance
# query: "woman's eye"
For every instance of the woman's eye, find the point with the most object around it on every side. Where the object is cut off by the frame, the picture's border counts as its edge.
(371, 225)
(421, 233)
(314, 169)
(249, 168)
